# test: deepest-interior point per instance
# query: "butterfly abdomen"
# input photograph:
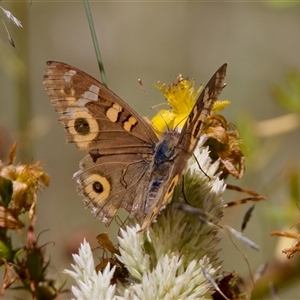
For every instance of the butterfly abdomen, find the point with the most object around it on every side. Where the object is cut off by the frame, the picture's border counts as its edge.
(161, 170)
(154, 187)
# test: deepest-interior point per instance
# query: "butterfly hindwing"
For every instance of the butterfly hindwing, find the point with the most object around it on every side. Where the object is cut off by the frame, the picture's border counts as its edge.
(111, 184)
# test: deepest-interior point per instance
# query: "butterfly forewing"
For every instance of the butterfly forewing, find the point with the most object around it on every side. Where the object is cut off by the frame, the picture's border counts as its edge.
(93, 116)
(193, 127)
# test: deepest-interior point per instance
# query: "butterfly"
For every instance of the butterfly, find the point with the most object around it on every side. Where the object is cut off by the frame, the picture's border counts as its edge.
(126, 166)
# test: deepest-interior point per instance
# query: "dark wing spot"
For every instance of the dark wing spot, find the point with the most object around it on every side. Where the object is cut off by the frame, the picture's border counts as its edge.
(190, 118)
(95, 154)
(198, 127)
(82, 126)
(97, 187)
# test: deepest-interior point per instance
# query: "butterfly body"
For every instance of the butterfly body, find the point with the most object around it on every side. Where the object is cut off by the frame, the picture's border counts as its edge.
(160, 171)
(127, 165)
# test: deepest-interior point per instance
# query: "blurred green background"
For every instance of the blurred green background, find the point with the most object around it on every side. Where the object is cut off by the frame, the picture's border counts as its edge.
(154, 41)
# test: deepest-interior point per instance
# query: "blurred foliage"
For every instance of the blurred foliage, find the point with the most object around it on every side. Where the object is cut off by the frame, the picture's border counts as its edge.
(287, 94)
(285, 214)
(281, 4)
(12, 19)
(25, 266)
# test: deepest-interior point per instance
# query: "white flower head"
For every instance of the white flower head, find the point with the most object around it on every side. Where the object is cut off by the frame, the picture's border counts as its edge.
(166, 261)
(89, 283)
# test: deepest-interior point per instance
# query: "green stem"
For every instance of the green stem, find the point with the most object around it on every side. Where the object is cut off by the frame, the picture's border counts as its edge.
(95, 41)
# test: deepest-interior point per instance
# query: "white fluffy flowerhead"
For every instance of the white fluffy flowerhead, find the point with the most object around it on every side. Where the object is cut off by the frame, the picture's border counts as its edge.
(166, 261)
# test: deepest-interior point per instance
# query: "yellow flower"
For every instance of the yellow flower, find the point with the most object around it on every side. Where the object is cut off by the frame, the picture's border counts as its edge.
(181, 97)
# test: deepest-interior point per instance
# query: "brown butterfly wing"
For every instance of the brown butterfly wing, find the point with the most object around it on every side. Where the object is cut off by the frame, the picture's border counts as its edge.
(120, 142)
(193, 128)
(113, 183)
(93, 116)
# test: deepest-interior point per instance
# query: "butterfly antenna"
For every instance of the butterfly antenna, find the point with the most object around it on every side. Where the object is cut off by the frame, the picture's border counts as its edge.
(184, 119)
(153, 106)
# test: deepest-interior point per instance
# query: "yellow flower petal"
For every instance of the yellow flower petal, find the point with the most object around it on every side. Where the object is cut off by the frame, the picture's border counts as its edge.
(163, 120)
(220, 105)
(181, 97)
